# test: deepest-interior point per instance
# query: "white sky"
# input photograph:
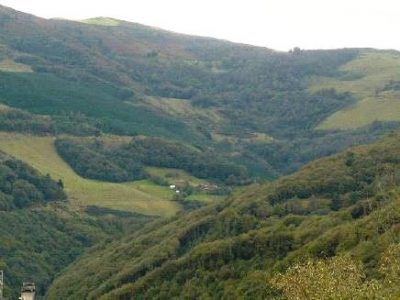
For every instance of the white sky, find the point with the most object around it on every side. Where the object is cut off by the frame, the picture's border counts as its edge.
(277, 24)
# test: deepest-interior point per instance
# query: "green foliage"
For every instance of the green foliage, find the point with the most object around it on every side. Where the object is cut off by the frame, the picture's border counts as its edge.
(392, 86)
(39, 241)
(339, 278)
(359, 177)
(125, 162)
(21, 186)
(90, 78)
(48, 94)
(86, 79)
(213, 252)
(92, 164)
(39, 236)
(286, 156)
(38, 244)
(21, 121)
(17, 120)
(40, 152)
(371, 80)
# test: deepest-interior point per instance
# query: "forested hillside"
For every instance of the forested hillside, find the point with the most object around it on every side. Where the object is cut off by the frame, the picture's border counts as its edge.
(39, 234)
(37, 243)
(138, 163)
(118, 163)
(336, 213)
(255, 106)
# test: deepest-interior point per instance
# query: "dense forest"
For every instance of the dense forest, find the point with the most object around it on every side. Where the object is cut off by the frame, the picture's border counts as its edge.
(39, 234)
(125, 162)
(38, 243)
(214, 144)
(79, 78)
(22, 186)
(333, 214)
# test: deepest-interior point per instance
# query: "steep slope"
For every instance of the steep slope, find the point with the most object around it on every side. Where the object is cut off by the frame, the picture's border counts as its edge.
(345, 204)
(40, 234)
(38, 243)
(213, 109)
(105, 75)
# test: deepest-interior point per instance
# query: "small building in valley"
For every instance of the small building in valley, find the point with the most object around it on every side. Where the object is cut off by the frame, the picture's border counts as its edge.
(28, 291)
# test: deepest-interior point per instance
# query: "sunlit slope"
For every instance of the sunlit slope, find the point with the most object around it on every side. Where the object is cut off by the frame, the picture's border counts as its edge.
(41, 154)
(365, 78)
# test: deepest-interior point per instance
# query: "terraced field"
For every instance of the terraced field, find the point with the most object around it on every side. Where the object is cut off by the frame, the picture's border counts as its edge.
(140, 196)
(364, 78)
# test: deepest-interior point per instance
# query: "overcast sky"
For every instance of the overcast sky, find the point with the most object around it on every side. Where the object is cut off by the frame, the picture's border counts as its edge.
(277, 24)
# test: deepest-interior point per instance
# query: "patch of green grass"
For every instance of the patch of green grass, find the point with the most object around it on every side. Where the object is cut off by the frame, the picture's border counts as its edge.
(374, 70)
(385, 107)
(206, 198)
(8, 65)
(184, 109)
(41, 154)
(175, 176)
(146, 186)
(172, 176)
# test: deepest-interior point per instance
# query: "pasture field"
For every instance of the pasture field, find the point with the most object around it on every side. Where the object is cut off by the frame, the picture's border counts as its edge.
(142, 196)
(365, 78)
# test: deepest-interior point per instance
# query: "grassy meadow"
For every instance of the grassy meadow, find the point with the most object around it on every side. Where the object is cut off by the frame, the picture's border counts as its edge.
(172, 176)
(365, 77)
(8, 65)
(142, 196)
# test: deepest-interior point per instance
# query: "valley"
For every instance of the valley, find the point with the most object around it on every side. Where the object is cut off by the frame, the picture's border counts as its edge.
(139, 163)
(336, 212)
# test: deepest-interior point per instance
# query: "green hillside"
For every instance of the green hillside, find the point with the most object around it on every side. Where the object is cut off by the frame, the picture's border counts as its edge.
(109, 76)
(345, 207)
(39, 234)
(369, 79)
(41, 154)
(38, 243)
(138, 163)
